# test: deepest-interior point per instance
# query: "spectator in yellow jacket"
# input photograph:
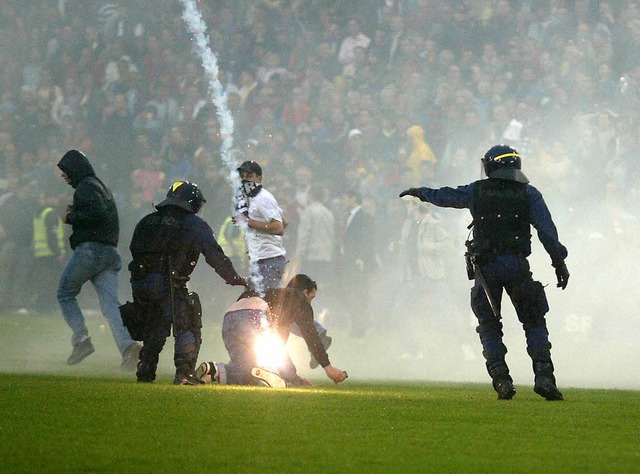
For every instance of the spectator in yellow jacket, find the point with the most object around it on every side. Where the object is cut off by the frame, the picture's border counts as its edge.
(421, 160)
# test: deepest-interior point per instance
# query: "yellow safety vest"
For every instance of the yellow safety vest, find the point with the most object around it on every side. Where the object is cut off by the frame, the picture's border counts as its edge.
(235, 247)
(40, 241)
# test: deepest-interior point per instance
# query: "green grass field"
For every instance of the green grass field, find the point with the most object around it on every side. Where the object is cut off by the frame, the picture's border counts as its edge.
(94, 418)
(80, 424)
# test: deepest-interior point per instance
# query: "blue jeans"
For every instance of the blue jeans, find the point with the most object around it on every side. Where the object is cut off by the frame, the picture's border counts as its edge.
(100, 264)
(240, 329)
(270, 271)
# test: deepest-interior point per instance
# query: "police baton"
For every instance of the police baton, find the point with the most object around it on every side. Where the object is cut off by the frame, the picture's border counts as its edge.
(172, 294)
(483, 283)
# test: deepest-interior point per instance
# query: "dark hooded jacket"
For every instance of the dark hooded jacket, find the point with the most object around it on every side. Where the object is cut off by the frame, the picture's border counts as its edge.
(93, 216)
(289, 306)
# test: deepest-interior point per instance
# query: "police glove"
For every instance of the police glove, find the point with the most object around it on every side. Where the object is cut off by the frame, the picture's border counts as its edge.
(240, 281)
(410, 192)
(562, 274)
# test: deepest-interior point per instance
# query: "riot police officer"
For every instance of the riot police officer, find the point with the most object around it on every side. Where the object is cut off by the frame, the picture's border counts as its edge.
(503, 208)
(165, 246)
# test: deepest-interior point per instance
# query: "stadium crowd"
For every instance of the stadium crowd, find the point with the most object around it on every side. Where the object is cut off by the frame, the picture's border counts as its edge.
(374, 96)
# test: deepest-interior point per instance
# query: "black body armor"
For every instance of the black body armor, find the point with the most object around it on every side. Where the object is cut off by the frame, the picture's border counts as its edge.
(154, 240)
(500, 217)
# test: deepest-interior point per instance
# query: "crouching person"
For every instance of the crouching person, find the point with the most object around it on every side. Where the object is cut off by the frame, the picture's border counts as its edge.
(165, 246)
(246, 328)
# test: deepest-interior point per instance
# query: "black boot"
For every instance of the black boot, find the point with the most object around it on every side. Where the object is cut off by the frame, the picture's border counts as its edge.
(545, 382)
(145, 373)
(185, 361)
(147, 365)
(502, 382)
(185, 375)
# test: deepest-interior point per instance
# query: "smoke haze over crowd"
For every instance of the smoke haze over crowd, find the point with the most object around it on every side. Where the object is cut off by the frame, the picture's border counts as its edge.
(325, 92)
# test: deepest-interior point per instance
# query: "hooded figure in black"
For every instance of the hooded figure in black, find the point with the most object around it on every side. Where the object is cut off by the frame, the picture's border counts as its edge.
(165, 247)
(94, 221)
(93, 215)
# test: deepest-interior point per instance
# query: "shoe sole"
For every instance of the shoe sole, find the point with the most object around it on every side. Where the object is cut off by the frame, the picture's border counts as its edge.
(131, 358)
(507, 396)
(504, 389)
(549, 395)
(84, 356)
(188, 381)
(271, 379)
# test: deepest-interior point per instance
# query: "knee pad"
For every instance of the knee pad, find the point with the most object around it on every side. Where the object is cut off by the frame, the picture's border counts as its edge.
(490, 332)
(492, 325)
(186, 355)
(487, 321)
(530, 302)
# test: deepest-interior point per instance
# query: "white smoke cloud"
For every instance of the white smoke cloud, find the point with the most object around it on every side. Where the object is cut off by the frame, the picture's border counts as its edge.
(197, 27)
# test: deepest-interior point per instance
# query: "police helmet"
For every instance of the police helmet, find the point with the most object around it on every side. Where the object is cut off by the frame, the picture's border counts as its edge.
(186, 195)
(503, 162)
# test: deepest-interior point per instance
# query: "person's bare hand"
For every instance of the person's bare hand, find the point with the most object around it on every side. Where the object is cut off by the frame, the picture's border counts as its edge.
(335, 374)
(301, 382)
(66, 213)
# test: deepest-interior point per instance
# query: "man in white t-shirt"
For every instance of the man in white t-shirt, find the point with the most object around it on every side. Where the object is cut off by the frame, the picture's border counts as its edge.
(266, 225)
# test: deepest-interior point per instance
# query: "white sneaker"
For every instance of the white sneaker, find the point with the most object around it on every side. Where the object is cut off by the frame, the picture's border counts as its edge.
(270, 379)
(206, 372)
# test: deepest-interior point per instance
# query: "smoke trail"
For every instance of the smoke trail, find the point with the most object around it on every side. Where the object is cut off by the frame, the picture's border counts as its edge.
(197, 27)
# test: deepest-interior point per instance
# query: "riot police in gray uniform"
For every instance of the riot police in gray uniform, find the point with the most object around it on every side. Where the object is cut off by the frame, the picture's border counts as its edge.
(504, 207)
(165, 246)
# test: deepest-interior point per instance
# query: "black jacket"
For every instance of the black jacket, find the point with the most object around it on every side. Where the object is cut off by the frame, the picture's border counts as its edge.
(93, 216)
(288, 306)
